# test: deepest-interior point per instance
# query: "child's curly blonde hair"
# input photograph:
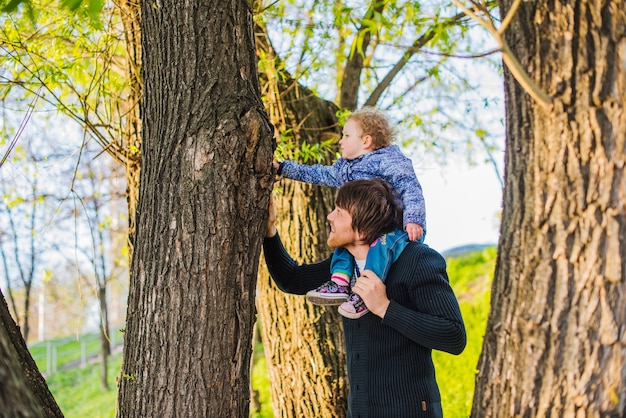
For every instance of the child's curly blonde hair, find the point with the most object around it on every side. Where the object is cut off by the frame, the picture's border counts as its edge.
(375, 123)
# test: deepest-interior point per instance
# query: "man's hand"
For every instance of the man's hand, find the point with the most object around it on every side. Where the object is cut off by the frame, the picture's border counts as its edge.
(271, 219)
(415, 231)
(373, 292)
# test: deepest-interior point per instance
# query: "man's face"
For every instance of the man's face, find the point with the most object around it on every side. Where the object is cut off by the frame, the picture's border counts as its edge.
(341, 232)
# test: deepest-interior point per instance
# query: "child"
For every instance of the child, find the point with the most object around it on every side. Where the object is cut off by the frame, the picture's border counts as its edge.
(366, 153)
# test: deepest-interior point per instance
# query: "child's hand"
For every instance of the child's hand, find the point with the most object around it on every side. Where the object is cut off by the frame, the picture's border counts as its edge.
(276, 165)
(415, 231)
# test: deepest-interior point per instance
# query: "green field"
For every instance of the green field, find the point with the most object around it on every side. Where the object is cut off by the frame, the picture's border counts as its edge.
(79, 393)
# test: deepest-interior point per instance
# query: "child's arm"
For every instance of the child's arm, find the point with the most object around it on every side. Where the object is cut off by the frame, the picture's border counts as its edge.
(399, 172)
(324, 175)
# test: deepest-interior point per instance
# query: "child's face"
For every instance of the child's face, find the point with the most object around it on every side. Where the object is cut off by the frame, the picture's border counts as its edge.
(353, 143)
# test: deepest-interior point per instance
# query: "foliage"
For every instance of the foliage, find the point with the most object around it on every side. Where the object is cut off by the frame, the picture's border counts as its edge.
(73, 63)
(93, 7)
(403, 56)
(304, 152)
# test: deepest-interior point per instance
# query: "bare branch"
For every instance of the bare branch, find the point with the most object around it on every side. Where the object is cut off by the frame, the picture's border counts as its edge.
(508, 58)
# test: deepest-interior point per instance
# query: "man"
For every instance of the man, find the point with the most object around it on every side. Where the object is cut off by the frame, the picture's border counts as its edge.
(390, 368)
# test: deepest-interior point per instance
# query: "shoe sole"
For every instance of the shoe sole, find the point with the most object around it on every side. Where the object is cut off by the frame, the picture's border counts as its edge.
(351, 315)
(333, 300)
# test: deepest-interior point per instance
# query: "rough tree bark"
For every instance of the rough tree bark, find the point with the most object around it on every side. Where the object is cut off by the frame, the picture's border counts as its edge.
(23, 390)
(554, 343)
(303, 343)
(205, 180)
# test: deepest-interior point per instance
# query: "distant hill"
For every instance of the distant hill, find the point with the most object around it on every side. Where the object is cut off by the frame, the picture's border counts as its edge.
(464, 249)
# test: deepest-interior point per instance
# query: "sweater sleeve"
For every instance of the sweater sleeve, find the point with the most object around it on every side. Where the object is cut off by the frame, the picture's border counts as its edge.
(436, 322)
(323, 175)
(289, 276)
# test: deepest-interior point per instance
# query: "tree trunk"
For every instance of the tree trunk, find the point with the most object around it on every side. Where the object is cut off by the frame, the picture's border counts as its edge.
(554, 341)
(23, 390)
(129, 11)
(303, 343)
(105, 344)
(205, 180)
(26, 321)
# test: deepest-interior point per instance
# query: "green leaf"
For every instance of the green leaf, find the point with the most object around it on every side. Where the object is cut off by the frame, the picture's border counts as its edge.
(71, 4)
(12, 5)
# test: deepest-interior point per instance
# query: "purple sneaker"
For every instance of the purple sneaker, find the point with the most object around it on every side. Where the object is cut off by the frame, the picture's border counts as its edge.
(330, 293)
(353, 308)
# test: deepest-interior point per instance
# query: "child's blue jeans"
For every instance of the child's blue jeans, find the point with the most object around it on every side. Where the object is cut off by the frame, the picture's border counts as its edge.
(381, 255)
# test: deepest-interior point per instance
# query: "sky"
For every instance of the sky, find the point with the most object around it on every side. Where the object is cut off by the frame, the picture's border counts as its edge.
(463, 204)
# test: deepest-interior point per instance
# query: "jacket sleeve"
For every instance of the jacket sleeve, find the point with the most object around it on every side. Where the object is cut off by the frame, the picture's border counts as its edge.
(404, 179)
(323, 175)
(435, 321)
(289, 276)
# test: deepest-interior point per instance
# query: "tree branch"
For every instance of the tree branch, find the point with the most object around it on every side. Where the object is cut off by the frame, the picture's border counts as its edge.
(514, 66)
(412, 50)
(352, 73)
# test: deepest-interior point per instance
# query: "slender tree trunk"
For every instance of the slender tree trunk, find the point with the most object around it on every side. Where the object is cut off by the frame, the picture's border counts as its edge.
(554, 343)
(130, 14)
(205, 181)
(26, 322)
(303, 343)
(23, 390)
(105, 345)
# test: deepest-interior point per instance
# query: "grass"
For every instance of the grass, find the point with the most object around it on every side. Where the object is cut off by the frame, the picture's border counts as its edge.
(261, 383)
(79, 393)
(471, 277)
(67, 351)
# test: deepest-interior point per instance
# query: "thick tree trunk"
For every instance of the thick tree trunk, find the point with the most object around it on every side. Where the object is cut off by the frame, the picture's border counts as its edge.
(303, 343)
(23, 390)
(554, 344)
(205, 180)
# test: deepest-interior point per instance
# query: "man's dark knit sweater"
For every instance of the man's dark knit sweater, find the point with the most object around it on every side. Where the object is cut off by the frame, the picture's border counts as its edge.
(389, 361)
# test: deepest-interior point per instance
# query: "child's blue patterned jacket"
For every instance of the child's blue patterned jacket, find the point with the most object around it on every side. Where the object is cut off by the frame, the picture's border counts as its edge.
(388, 163)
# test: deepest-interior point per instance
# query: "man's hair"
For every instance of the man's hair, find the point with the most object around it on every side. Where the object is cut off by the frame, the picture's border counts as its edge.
(373, 206)
(374, 123)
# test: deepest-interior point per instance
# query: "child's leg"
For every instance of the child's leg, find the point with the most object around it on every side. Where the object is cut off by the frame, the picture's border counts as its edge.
(385, 251)
(341, 267)
(337, 289)
(380, 256)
